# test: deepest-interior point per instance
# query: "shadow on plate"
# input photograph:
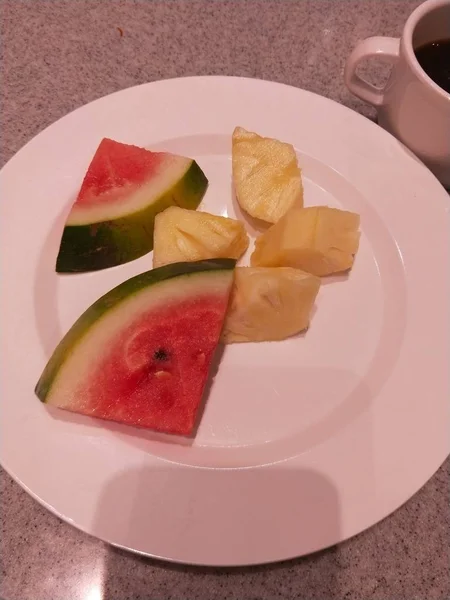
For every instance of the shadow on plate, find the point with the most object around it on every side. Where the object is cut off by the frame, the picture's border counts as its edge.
(231, 517)
(218, 516)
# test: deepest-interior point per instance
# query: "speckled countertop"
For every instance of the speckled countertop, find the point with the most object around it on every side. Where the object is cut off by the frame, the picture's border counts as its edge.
(60, 54)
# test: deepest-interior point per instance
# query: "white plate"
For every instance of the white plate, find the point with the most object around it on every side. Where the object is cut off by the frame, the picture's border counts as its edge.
(303, 443)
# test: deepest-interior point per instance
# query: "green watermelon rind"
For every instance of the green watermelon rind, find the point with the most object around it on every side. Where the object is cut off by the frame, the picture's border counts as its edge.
(113, 299)
(100, 245)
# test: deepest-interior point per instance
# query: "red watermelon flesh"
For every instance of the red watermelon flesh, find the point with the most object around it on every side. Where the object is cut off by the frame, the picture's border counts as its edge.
(141, 354)
(155, 373)
(115, 168)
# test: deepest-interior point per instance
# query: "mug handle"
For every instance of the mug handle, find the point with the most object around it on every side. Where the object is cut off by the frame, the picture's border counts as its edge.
(374, 46)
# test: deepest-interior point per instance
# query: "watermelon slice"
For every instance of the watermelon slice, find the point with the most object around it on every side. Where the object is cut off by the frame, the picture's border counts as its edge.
(140, 355)
(111, 221)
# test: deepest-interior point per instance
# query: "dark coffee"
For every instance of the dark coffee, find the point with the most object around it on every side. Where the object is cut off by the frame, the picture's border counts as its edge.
(434, 58)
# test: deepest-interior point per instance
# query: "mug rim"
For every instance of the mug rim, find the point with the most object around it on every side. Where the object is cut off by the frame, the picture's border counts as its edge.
(410, 26)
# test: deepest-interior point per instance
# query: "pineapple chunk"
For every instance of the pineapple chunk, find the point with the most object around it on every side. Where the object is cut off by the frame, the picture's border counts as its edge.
(266, 175)
(185, 235)
(320, 240)
(269, 304)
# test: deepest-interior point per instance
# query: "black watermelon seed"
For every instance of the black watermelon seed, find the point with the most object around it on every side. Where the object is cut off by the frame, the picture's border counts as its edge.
(161, 355)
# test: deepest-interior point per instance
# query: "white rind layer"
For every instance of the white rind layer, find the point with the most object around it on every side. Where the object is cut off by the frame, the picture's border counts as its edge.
(134, 198)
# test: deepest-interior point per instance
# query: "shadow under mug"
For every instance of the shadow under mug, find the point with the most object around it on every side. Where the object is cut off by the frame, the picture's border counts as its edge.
(411, 105)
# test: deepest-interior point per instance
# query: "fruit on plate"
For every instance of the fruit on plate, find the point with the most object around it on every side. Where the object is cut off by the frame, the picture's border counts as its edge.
(111, 221)
(141, 354)
(186, 235)
(318, 239)
(266, 176)
(269, 304)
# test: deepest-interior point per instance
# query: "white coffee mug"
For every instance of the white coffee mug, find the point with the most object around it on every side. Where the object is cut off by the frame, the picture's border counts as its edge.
(411, 105)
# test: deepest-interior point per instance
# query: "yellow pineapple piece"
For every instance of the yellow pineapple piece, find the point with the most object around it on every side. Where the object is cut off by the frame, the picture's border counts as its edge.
(266, 175)
(187, 235)
(319, 239)
(269, 304)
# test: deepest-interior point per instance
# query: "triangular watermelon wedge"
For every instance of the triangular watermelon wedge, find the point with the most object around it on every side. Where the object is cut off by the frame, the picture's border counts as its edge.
(141, 354)
(125, 187)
